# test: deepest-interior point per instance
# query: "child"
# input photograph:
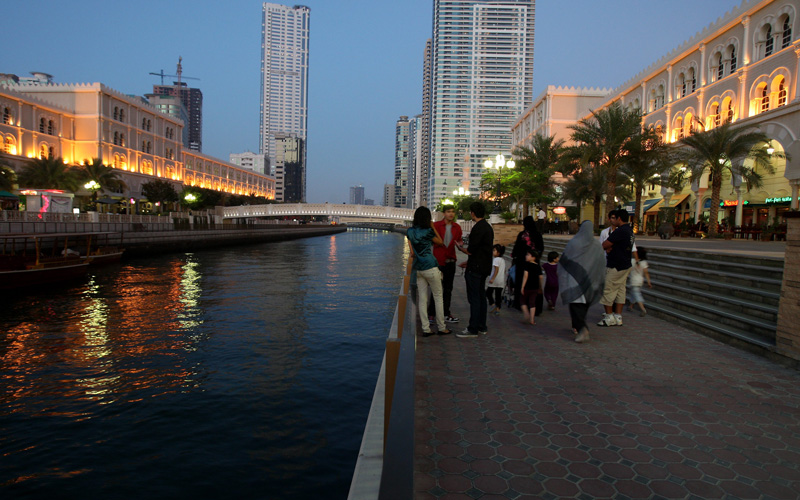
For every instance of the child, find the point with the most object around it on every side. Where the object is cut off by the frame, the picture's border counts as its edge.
(494, 290)
(551, 281)
(531, 286)
(638, 273)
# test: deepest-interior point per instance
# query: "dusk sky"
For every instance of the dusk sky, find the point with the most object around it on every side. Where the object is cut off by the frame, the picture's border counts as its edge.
(365, 70)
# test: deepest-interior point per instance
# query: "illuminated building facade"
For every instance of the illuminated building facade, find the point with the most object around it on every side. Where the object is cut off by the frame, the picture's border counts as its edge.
(481, 80)
(745, 69)
(78, 122)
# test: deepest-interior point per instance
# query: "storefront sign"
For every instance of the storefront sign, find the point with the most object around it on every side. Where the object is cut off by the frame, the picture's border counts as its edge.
(732, 203)
(559, 210)
(784, 199)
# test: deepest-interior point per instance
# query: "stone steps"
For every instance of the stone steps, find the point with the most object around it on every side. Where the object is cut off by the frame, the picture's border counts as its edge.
(733, 298)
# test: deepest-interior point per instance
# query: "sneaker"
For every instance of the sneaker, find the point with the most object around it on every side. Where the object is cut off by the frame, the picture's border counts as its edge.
(451, 319)
(466, 334)
(608, 320)
(427, 334)
(583, 336)
(618, 318)
(483, 332)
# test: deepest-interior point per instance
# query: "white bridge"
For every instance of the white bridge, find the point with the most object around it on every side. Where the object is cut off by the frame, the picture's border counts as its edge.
(341, 213)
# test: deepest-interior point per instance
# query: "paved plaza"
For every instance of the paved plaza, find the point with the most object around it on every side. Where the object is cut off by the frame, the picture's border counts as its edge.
(645, 410)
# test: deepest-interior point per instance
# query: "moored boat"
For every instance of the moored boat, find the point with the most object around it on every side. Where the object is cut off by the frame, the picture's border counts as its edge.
(24, 261)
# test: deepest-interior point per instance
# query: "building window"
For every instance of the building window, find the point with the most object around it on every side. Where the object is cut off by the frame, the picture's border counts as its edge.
(786, 39)
(42, 125)
(8, 145)
(122, 115)
(122, 140)
(732, 51)
(681, 87)
(144, 123)
(149, 125)
(729, 114)
(7, 118)
(782, 93)
(116, 113)
(720, 67)
(50, 127)
(149, 147)
(770, 43)
(116, 138)
(692, 80)
(715, 118)
(678, 129)
(764, 100)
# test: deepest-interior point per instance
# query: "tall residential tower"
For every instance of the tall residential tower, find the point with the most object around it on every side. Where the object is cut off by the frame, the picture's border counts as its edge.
(284, 84)
(481, 81)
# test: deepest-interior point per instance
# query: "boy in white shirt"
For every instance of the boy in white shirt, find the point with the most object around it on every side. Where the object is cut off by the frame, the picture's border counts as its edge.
(636, 280)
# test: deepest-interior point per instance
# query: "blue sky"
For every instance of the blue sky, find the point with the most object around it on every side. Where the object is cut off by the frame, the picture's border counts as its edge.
(366, 62)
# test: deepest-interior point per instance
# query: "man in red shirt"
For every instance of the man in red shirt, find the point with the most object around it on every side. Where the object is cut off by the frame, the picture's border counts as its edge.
(445, 255)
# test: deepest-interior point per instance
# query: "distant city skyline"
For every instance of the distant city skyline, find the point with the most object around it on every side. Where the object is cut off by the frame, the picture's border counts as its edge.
(353, 105)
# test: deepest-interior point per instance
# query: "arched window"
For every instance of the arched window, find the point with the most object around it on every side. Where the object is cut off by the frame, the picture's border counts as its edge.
(769, 44)
(7, 119)
(144, 123)
(9, 146)
(692, 80)
(660, 97)
(781, 93)
(122, 140)
(50, 127)
(720, 66)
(116, 113)
(764, 98)
(732, 57)
(687, 125)
(42, 125)
(682, 85)
(51, 152)
(116, 161)
(678, 129)
(729, 112)
(122, 115)
(715, 116)
(660, 132)
(149, 147)
(786, 39)
(116, 138)
(149, 125)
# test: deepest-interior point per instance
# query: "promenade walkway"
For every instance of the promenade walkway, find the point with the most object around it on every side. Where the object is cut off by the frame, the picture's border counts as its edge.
(645, 410)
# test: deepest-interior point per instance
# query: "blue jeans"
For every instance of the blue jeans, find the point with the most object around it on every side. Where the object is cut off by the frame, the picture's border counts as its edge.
(476, 295)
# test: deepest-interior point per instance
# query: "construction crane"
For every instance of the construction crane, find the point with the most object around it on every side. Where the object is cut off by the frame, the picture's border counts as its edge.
(178, 76)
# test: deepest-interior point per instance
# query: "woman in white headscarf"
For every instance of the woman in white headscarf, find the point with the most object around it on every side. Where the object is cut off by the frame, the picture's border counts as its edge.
(581, 277)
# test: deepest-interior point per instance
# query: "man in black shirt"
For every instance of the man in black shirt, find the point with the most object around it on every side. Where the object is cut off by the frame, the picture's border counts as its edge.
(618, 247)
(478, 267)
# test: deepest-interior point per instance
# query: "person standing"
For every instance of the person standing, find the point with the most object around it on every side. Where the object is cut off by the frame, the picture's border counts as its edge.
(581, 277)
(531, 286)
(478, 267)
(541, 216)
(528, 239)
(497, 281)
(420, 236)
(619, 252)
(445, 255)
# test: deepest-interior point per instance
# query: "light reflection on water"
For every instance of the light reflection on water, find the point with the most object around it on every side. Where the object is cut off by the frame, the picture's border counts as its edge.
(243, 373)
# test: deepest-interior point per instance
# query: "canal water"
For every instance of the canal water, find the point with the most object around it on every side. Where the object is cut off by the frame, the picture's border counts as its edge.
(241, 373)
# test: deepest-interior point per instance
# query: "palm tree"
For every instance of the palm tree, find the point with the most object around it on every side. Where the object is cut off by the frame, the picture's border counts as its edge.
(725, 149)
(536, 165)
(648, 158)
(7, 178)
(606, 138)
(107, 177)
(49, 173)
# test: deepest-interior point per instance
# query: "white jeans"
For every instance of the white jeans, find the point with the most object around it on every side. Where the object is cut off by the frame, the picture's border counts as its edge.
(430, 278)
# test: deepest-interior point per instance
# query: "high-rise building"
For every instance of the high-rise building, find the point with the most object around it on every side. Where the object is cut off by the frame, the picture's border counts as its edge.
(415, 159)
(401, 163)
(290, 179)
(481, 81)
(357, 195)
(388, 195)
(284, 78)
(424, 144)
(192, 100)
(254, 161)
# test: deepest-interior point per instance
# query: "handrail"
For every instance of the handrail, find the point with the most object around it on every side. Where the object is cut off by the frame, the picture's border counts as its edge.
(385, 467)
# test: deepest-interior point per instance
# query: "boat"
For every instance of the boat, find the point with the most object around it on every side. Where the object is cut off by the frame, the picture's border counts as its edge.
(99, 250)
(25, 262)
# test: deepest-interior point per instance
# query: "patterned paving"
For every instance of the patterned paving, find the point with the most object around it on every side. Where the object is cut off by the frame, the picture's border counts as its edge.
(646, 410)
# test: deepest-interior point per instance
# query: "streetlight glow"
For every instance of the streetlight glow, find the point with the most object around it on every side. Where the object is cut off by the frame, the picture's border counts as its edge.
(498, 164)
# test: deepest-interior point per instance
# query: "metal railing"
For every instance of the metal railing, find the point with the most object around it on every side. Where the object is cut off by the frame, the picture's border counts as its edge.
(385, 467)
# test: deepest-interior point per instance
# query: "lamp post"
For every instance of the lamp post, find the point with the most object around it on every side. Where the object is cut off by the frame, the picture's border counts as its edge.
(92, 186)
(498, 164)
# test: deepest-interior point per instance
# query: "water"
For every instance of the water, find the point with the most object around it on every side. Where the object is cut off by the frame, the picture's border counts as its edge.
(239, 373)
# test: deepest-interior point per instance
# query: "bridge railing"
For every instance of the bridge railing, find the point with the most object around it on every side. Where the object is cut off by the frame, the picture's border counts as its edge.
(326, 209)
(385, 466)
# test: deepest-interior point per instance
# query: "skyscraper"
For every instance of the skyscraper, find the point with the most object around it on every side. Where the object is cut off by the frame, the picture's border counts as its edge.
(192, 100)
(481, 81)
(284, 83)
(424, 145)
(402, 162)
(357, 195)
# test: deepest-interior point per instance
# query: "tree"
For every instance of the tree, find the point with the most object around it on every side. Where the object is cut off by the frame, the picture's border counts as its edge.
(725, 149)
(159, 191)
(606, 138)
(583, 185)
(649, 157)
(536, 165)
(49, 173)
(7, 178)
(107, 177)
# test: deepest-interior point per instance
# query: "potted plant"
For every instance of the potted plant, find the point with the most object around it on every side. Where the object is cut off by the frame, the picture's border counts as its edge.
(507, 216)
(651, 227)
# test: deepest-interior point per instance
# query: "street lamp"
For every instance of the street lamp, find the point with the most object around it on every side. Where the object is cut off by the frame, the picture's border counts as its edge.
(460, 192)
(92, 186)
(498, 164)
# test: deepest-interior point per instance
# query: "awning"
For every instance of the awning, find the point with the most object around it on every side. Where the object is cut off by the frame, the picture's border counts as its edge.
(6, 194)
(646, 204)
(673, 202)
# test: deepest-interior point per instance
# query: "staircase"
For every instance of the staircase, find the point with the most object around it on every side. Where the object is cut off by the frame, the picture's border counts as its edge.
(732, 298)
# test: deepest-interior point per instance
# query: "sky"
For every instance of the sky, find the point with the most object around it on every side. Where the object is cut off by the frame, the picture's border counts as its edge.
(365, 63)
